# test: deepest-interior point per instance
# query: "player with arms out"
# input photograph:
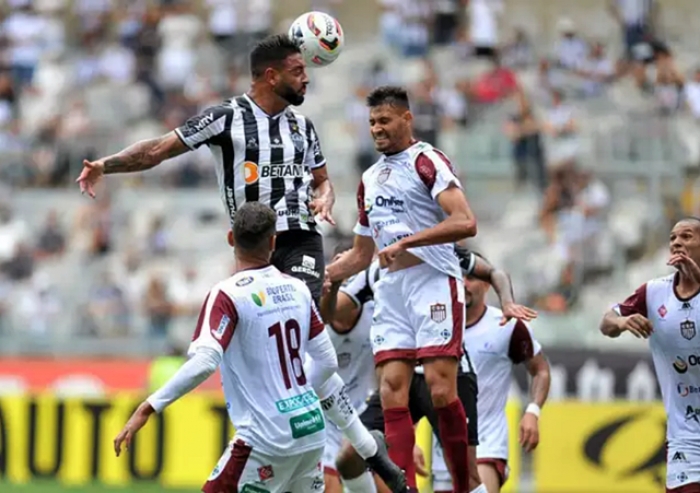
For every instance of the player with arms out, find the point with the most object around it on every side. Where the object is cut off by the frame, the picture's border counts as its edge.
(263, 150)
(353, 470)
(411, 205)
(494, 349)
(665, 311)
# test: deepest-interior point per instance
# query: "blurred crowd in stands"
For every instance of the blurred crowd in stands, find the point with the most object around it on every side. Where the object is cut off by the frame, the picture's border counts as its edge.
(82, 78)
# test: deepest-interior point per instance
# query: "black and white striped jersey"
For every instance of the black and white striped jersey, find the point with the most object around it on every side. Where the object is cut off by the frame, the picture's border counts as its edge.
(260, 158)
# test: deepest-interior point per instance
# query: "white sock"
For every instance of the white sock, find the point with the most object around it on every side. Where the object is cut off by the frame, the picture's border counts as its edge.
(361, 484)
(480, 489)
(340, 411)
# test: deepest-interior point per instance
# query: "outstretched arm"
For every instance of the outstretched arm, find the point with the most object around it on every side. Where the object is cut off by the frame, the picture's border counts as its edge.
(144, 154)
(500, 280)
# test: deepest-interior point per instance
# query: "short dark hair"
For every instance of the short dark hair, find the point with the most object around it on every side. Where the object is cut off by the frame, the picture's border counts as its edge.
(391, 95)
(253, 226)
(271, 51)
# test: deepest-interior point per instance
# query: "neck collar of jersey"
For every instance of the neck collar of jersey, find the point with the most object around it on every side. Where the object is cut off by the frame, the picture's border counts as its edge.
(258, 111)
(676, 280)
(394, 155)
(481, 317)
(260, 267)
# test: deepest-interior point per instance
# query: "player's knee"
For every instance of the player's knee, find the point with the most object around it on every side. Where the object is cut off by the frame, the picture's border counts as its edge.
(348, 463)
(394, 383)
(442, 382)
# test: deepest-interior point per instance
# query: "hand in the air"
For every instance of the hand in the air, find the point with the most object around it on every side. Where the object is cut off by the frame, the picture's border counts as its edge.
(513, 310)
(135, 423)
(89, 176)
(529, 432)
(323, 209)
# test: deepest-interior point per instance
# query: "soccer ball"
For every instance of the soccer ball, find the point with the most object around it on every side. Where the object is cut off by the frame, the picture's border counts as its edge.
(320, 37)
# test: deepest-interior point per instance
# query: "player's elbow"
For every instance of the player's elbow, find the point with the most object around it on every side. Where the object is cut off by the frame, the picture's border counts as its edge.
(466, 225)
(608, 327)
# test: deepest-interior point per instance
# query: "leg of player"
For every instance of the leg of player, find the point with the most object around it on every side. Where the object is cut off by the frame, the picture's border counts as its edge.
(394, 385)
(339, 410)
(332, 482)
(441, 376)
(354, 474)
(476, 485)
(490, 477)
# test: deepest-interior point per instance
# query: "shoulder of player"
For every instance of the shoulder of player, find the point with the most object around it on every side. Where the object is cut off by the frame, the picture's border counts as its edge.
(428, 161)
(660, 283)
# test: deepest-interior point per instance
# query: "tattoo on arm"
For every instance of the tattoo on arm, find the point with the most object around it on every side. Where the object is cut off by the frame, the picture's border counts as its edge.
(145, 154)
(497, 278)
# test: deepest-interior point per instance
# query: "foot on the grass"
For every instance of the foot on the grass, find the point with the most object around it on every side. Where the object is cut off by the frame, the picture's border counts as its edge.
(384, 467)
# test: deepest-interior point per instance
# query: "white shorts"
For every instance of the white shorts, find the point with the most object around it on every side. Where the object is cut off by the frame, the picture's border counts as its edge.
(243, 469)
(442, 480)
(418, 313)
(682, 465)
(334, 440)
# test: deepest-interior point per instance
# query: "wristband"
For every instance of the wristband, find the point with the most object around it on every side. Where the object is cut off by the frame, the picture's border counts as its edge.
(533, 408)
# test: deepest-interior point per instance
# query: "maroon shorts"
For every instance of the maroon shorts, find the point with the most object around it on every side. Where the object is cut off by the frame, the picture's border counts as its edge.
(501, 466)
(686, 488)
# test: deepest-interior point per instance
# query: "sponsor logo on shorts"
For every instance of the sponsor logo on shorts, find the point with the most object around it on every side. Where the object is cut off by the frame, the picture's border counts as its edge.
(682, 477)
(378, 340)
(244, 282)
(438, 312)
(318, 484)
(308, 267)
(307, 424)
(685, 390)
(251, 488)
(266, 473)
(679, 457)
(297, 402)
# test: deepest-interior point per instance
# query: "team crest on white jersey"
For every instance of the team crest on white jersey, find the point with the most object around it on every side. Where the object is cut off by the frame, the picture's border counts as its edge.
(383, 175)
(298, 141)
(438, 312)
(688, 329)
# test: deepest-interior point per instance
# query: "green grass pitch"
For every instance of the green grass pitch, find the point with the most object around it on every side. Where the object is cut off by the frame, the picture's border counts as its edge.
(52, 487)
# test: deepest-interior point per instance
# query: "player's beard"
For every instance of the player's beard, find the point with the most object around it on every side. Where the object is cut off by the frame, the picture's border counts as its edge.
(286, 92)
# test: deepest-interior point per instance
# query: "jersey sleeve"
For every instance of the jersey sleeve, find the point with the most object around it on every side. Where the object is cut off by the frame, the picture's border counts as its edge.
(216, 324)
(436, 172)
(523, 345)
(362, 227)
(360, 288)
(467, 260)
(316, 323)
(205, 127)
(635, 303)
(314, 156)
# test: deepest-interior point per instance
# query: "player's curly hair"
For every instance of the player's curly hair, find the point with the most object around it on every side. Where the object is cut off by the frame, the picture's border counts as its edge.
(271, 51)
(254, 225)
(391, 95)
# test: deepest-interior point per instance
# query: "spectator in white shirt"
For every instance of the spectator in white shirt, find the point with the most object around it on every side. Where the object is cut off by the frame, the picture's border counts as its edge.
(596, 70)
(483, 27)
(571, 50)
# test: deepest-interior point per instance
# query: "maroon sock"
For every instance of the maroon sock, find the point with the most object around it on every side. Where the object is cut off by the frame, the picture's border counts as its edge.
(400, 436)
(452, 425)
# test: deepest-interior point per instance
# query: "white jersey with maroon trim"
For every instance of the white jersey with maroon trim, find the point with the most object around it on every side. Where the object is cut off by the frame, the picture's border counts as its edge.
(675, 349)
(261, 320)
(397, 197)
(494, 350)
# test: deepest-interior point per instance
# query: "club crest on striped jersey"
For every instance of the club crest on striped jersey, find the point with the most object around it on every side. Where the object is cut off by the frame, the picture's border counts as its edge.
(383, 175)
(297, 139)
(438, 312)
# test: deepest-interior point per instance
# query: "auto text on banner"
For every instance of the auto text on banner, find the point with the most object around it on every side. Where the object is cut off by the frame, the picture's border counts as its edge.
(42, 437)
(611, 447)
